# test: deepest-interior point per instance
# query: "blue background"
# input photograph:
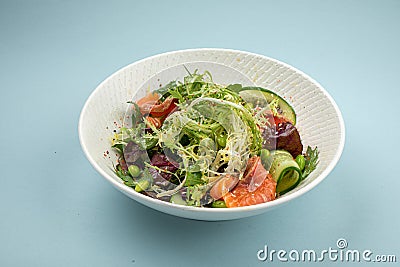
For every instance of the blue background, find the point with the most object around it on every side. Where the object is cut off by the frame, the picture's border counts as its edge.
(57, 211)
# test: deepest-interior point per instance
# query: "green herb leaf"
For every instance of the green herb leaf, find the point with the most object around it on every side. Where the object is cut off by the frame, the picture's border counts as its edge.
(164, 91)
(311, 163)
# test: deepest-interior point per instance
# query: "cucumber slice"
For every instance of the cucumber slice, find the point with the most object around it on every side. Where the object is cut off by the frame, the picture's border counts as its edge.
(177, 199)
(259, 96)
(285, 171)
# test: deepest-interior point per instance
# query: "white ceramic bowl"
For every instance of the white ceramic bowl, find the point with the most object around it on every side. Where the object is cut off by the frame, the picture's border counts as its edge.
(319, 120)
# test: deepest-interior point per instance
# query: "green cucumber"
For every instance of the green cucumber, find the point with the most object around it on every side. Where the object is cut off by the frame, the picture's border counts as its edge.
(177, 199)
(259, 96)
(285, 171)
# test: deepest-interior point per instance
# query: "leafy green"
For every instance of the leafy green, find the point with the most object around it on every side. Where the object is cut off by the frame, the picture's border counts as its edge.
(176, 94)
(195, 194)
(164, 91)
(124, 175)
(136, 134)
(193, 178)
(233, 117)
(136, 114)
(119, 147)
(197, 85)
(311, 161)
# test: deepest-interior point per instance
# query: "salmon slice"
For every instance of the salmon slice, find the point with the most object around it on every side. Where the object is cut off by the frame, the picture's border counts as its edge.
(223, 186)
(147, 102)
(240, 196)
(255, 173)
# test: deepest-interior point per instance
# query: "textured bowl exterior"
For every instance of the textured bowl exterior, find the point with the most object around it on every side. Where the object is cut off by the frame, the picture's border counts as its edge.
(319, 120)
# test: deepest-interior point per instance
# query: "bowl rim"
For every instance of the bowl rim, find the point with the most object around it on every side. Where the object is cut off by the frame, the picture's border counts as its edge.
(279, 201)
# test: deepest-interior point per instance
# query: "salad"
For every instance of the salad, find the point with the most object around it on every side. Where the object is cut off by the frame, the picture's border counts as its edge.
(198, 143)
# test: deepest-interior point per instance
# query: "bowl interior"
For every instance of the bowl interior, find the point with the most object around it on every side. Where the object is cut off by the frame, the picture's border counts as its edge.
(318, 119)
